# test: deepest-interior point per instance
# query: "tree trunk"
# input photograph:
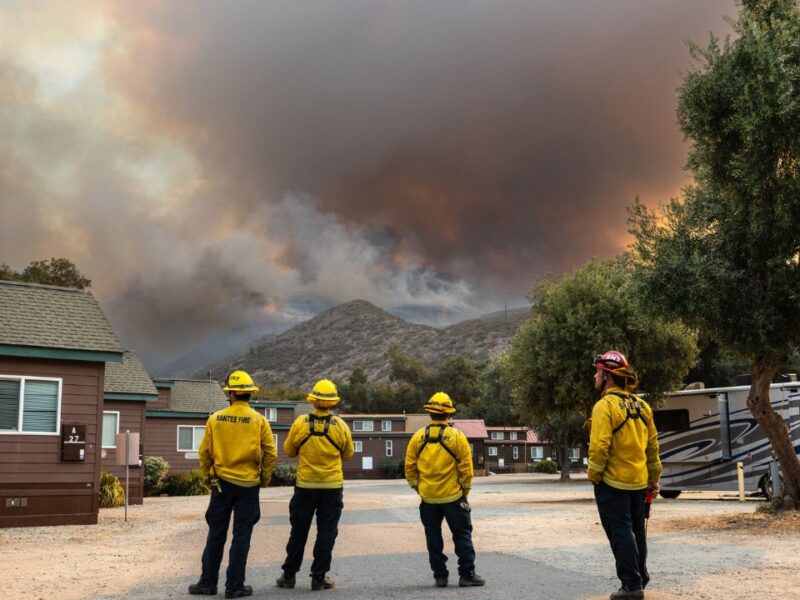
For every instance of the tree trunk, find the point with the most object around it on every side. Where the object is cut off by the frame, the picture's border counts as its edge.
(563, 460)
(775, 429)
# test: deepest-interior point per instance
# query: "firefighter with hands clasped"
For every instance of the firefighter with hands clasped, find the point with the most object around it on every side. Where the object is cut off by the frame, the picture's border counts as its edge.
(237, 456)
(624, 466)
(322, 441)
(439, 468)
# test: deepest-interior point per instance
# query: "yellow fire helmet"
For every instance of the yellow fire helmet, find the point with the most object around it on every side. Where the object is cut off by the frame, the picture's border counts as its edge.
(240, 381)
(440, 403)
(324, 394)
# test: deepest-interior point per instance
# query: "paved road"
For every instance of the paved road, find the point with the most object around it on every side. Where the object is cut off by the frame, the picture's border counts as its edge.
(380, 553)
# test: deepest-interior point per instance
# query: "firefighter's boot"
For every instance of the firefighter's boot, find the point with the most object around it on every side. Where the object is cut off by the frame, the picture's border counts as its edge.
(285, 581)
(473, 581)
(441, 581)
(243, 591)
(203, 589)
(326, 583)
(625, 593)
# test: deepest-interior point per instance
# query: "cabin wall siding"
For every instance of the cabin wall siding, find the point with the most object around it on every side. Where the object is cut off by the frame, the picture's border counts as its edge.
(58, 493)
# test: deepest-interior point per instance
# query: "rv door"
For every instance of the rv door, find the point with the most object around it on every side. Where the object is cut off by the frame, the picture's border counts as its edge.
(724, 426)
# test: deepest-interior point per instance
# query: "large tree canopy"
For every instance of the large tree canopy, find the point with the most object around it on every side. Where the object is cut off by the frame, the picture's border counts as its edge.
(727, 258)
(575, 318)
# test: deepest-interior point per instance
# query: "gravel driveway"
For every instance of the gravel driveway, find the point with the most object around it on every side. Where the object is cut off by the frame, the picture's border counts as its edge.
(535, 538)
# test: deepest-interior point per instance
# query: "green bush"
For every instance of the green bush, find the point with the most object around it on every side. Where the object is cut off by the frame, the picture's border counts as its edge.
(284, 474)
(394, 468)
(184, 484)
(155, 469)
(546, 466)
(111, 491)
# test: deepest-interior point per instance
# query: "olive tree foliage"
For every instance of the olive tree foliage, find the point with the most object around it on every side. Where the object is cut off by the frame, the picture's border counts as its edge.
(726, 259)
(574, 318)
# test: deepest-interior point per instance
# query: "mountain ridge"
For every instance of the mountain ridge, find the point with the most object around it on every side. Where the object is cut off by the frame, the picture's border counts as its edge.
(358, 334)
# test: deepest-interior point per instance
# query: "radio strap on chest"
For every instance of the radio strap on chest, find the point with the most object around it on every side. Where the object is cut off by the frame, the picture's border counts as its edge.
(633, 410)
(312, 431)
(437, 440)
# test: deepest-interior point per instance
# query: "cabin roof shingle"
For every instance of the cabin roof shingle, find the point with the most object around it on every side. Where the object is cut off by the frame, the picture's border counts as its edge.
(196, 395)
(47, 316)
(129, 377)
(472, 428)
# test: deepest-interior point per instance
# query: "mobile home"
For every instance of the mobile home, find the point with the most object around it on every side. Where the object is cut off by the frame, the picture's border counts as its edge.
(704, 433)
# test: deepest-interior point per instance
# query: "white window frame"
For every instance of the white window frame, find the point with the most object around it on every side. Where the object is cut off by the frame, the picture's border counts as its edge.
(111, 412)
(537, 453)
(386, 425)
(271, 413)
(389, 448)
(515, 452)
(472, 448)
(275, 437)
(22, 379)
(512, 435)
(363, 425)
(574, 454)
(178, 436)
(358, 446)
(497, 435)
(492, 450)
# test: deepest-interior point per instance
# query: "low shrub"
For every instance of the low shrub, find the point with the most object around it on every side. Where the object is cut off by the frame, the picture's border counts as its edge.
(394, 468)
(184, 484)
(155, 470)
(284, 474)
(111, 491)
(546, 466)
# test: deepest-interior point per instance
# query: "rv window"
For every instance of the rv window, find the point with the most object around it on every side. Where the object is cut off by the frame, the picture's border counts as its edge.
(671, 420)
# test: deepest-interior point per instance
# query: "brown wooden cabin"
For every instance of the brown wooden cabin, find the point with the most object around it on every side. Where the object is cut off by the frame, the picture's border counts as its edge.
(377, 438)
(513, 449)
(281, 415)
(128, 389)
(475, 430)
(54, 346)
(176, 422)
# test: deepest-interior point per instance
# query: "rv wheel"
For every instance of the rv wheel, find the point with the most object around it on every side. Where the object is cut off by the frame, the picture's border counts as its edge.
(765, 486)
(670, 494)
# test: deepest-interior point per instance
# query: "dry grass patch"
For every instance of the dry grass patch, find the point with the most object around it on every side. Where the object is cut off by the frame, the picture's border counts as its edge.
(755, 523)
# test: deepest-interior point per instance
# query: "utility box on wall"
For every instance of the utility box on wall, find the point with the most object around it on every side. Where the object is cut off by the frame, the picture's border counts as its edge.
(73, 443)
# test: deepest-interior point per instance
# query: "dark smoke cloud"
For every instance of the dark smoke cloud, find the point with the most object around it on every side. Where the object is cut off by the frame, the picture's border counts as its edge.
(498, 140)
(222, 170)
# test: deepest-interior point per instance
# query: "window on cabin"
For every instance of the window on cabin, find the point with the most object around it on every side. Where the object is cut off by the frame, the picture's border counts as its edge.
(110, 428)
(189, 438)
(29, 404)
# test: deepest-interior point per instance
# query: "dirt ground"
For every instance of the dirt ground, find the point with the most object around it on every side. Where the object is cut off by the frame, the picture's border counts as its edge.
(701, 545)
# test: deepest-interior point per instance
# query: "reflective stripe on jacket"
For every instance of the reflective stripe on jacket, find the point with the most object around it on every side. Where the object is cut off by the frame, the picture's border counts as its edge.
(433, 472)
(627, 459)
(320, 463)
(238, 443)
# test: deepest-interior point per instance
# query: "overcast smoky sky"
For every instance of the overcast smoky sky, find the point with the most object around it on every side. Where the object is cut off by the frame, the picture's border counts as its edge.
(220, 170)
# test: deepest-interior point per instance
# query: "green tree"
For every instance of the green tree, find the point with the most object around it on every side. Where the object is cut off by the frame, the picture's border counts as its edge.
(493, 403)
(355, 395)
(727, 258)
(56, 271)
(573, 319)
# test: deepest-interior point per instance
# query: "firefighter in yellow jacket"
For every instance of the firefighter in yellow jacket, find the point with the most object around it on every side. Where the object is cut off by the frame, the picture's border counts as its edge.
(237, 456)
(439, 468)
(624, 466)
(322, 441)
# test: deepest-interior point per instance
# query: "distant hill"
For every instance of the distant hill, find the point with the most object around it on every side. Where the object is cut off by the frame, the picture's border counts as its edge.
(357, 334)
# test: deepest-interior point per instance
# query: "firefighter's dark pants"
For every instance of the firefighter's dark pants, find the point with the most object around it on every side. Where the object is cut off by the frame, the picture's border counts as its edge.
(622, 516)
(243, 503)
(328, 504)
(458, 519)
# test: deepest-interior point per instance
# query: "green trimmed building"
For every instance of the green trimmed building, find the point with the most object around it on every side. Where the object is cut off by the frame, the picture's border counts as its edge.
(55, 344)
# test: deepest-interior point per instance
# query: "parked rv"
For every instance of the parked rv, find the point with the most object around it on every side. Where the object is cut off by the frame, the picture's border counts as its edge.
(704, 433)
